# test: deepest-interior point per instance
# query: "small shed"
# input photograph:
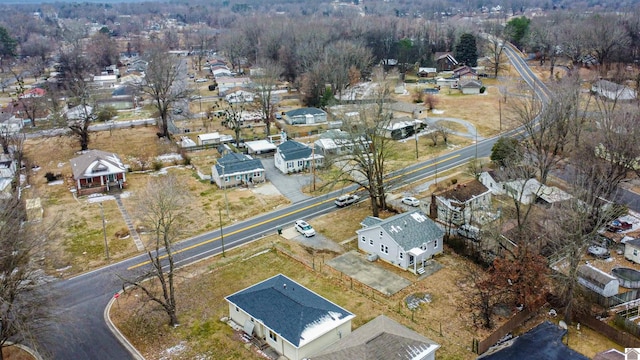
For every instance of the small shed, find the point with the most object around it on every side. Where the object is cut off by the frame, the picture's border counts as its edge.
(209, 139)
(598, 280)
(632, 250)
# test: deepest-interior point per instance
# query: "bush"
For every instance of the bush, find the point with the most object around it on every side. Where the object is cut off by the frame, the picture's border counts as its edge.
(454, 181)
(50, 176)
(483, 89)
(186, 159)
(157, 165)
(107, 113)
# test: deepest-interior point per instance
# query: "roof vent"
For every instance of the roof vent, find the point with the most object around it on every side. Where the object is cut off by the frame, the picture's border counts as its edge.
(284, 286)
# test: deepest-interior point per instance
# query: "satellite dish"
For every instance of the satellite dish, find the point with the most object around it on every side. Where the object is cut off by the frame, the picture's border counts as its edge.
(563, 324)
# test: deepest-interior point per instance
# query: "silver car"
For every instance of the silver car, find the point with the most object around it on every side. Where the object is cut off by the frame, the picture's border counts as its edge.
(304, 228)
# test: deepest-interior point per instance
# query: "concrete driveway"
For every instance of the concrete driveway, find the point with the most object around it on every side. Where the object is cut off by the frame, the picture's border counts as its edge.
(356, 266)
(318, 242)
(290, 186)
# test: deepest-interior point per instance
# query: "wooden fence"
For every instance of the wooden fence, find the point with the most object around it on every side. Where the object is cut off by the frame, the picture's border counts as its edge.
(619, 337)
(503, 330)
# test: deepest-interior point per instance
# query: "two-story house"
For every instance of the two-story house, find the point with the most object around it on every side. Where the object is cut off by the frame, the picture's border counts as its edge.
(456, 205)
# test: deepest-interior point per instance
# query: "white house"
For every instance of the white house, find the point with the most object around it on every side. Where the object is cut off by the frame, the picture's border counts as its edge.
(380, 338)
(291, 319)
(406, 240)
(292, 156)
(339, 142)
(457, 204)
(78, 113)
(239, 96)
(227, 83)
(531, 190)
(494, 180)
(305, 116)
(632, 250)
(470, 87)
(234, 169)
(613, 91)
(208, 139)
(598, 280)
(260, 146)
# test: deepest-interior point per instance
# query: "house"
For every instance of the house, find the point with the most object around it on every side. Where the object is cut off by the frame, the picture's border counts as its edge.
(445, 62)
(415, 110)
(470, 87)
(531, 191)
(632, 250)
(33, 93)
(613, 91)
(291, 319)
(598, 281)
(305, 116)
(228, 83)
(542, 342)
(457, 205)
(78, 112)
(98, 171)
(611, 354)
(260, 147)
(465, 73)
(406, 240)
(401, 128)
(105, 80)
(380, 338)
(495, 181)
(451, 83)
(208, 139)
(239, 96)
(427, 71)
(292, 156)
(337, 142)
(234, 169)
(631, 354)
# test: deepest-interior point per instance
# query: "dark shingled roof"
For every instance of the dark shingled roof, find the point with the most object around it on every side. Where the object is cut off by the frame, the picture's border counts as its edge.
(288, 308)
(464, 192)
(305, 111)
(410, 229)
(238, 163)
(381, 338)
(80, 164)
(292, 150)
(544, 342)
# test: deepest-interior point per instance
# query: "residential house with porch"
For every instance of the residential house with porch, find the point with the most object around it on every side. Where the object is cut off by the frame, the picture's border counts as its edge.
(292, 156)
(290, 319)
(98, 171)
(457, 205)
(234, 169)
(406, 240)
(445, 61)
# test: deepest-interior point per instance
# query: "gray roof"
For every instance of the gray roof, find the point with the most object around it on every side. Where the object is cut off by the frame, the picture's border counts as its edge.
(305, 111)
(289, 309)
(370, 221)
(411, 229)
(633, 243)
(80, 164)
(471, 84)
(238, 163)
(380, 338)
(292, 150)
(595, 275)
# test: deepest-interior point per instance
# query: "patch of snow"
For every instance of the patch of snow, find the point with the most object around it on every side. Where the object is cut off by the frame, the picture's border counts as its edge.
(436, 111)
(95, 198)
(174, 350)
(169, 157)
(61, 164)
(125, 194)
(57, 182)
(64, 268)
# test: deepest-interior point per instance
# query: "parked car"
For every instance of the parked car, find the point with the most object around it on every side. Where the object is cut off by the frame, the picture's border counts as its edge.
(304, 228)
(346, 200)
(619, 226)
(598, 252)
(177, 111)
(201, 80)
(411, 201)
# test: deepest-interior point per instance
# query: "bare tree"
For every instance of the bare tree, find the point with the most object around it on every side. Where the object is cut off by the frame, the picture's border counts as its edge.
(266, 82)
(365, 164)
(231, 113)
(25, 303)
(201, 43)
(162, 84)
(607, 36)
(163, 208)
(494, 45)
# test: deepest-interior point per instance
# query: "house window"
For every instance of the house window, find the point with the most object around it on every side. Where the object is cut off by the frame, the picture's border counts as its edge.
(364, 239)
(273, 336)
(226, 179)
(380, 233)
(257, 174)
(289, 165)
(384, 249)
(251, 319)
(635, 252)
(371, 242)
(237, 310)
(238, 177)
(435, 244)
(89, 180)
(300, 163)
(401, 255)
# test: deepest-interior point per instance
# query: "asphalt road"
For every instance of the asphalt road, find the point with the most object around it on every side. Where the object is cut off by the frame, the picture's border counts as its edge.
(82, 332)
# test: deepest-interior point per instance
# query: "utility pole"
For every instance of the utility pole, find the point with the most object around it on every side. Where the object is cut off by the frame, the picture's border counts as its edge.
(415, 131)
(104, 231)
(313, 165)
(224, 189)
(500, 109)
(221, 234)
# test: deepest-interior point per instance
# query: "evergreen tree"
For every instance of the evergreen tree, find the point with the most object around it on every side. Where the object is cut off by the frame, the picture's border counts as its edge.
(466, 50)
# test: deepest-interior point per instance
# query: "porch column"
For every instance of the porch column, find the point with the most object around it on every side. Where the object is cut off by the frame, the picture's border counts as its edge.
(102, 180)
(78, 184)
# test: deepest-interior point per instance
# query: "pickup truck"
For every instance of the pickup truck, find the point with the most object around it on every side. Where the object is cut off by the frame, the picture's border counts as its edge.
(346, 200)
(618, 226)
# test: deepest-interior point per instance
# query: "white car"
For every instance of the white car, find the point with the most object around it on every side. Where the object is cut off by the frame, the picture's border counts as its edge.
(346, 200)
(411, 201)
(201, 80)
(304, 228)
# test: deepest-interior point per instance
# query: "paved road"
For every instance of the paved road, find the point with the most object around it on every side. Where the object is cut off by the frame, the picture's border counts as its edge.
(85, 335)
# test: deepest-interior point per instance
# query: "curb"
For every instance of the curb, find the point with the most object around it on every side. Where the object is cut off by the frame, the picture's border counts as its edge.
(114, 330)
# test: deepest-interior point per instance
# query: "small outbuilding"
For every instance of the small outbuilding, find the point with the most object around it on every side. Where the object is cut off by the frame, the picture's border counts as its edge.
(598, 280)
(208, 139)
(632, 250)
(260, 147)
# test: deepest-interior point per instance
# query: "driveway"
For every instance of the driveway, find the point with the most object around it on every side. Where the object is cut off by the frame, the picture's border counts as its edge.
(290, 186)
